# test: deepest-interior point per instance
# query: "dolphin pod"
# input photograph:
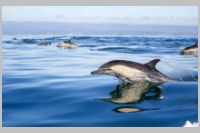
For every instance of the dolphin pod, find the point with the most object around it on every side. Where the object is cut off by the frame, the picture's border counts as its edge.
(67, 44)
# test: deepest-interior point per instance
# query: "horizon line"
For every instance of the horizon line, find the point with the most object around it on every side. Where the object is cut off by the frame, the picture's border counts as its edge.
(7, 21)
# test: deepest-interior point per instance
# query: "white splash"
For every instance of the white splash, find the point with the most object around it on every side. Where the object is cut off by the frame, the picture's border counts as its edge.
(190, 124)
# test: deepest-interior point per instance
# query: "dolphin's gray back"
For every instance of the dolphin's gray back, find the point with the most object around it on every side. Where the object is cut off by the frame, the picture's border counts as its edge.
(193, 46)
(125, 63)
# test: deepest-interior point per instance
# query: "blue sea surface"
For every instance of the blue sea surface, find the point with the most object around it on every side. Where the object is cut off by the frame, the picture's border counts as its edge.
(46, 86)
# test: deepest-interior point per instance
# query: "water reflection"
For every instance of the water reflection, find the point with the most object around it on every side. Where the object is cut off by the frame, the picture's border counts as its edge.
(128, 109)
(134, 93)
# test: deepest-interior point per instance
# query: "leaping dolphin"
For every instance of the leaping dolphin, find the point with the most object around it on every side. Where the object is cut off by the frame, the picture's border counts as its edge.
(131, 72)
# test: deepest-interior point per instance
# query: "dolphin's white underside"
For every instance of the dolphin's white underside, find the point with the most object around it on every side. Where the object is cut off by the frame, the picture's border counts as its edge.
(131, 73)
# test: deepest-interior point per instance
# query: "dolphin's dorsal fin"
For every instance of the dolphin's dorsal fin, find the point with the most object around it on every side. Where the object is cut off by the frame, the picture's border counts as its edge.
(152, 64)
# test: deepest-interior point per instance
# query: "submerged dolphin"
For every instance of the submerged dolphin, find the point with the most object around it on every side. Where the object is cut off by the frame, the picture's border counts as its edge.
(131, 72)
(44, 43)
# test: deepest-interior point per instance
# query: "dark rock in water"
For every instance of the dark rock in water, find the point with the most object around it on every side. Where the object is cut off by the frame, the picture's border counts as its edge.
(190, 50)
(44, 43)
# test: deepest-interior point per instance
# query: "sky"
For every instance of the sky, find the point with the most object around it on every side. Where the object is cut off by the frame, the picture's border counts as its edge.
(166, 15)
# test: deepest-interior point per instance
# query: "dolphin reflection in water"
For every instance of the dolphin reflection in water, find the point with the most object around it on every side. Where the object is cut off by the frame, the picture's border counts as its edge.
(129, 93)
(138, 81)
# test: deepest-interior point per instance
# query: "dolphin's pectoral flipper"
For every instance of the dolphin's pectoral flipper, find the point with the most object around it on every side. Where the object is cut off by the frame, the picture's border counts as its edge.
(124, 79)
(152, 64)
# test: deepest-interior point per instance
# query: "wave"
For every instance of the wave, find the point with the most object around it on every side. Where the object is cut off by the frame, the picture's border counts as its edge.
(125, 41)
(125, 50)
(190, 124)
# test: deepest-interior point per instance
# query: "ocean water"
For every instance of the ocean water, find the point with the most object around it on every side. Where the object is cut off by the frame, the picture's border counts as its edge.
(46, 86)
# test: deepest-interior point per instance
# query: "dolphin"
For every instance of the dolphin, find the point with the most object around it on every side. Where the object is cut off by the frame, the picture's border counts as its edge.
(190, 50)
(15, 38)
(131, 72)
(67, 44)
(44, 43)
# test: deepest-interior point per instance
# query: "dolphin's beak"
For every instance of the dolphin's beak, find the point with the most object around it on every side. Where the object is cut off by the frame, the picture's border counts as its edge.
(102, 71)
(96, 72)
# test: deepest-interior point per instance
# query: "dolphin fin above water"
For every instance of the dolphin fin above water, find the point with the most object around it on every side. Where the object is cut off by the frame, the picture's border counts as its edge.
(152, 64)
